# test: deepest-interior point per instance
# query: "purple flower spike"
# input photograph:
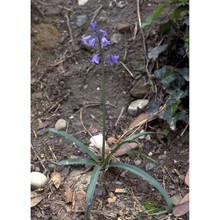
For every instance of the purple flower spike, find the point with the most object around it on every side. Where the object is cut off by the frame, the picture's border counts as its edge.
(93, 25)
(105, 42)
(95, 59)
(112, 58)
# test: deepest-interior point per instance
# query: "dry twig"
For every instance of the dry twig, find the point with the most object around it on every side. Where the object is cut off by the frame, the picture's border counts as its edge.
(70, 30)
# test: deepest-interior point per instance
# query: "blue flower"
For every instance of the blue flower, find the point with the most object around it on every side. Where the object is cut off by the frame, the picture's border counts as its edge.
(105, 42)
(93, 25)
(92, 41)
(102, 33)
(111, 59)
(95, 59)
(86, 39)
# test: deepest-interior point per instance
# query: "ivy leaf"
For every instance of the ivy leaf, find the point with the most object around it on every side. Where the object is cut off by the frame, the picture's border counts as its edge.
(184, 72)
(166, 75)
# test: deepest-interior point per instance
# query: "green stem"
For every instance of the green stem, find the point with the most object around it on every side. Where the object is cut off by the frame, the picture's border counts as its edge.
(103, 85)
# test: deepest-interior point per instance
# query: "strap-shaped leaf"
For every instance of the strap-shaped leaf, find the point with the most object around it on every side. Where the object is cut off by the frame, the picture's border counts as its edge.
(76, 141)
(91, 190)
(72, 162)
(154, 15)
(150, 179)
(133, 137)
(129, 140)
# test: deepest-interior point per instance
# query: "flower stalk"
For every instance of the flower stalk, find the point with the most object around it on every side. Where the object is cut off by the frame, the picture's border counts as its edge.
(99, 37)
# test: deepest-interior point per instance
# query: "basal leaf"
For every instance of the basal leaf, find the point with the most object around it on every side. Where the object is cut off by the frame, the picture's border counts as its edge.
(150, 179)
(76, 141)
(72, 162)
(91, 190)
(154, 15)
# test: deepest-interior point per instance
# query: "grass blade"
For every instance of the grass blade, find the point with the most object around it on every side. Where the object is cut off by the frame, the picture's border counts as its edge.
(72, 162)
(76, 141)
(91, 190)
(154, 15)
(150, 179)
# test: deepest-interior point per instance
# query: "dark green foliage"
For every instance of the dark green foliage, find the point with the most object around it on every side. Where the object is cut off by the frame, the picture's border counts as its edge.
(174, 75)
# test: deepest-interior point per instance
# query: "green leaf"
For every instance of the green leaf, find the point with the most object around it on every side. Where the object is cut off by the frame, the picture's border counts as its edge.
(166, 75)
(153, 107)
(91, 190)
(177, 11)
(76, 141)
(185, 73)
(128, 140)
(150, 179)
(154, 15)
(167, 28)
(72, 162)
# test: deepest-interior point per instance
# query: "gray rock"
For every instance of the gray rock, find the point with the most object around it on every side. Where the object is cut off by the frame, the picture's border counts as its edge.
(139, 104)
(81, 20)
(60, 124)
(38, 180)
(116, 38)
(149, 166)
(139, 90)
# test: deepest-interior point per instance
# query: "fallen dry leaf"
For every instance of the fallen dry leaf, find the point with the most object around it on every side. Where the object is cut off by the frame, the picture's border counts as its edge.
(80, 195)
(111, 140)
(36, 200)
(141, 119)
(119, 190)
(56, 179)
(112, 200)
(184, 199)
(125, 149)
(68, 195)
(181, 209)
(187, 178)
(44, 125)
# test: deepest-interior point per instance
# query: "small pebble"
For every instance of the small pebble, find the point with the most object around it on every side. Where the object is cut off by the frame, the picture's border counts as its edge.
(123, 27)
(137, 162)
(60, 124)
(116, 38)
(81, 20)
(162, 157)
(175, 199)
(118, 182)
(38, 180)
(149, 166)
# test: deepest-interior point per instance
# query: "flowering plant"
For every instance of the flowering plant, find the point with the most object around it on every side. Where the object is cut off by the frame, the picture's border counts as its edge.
(98, 39)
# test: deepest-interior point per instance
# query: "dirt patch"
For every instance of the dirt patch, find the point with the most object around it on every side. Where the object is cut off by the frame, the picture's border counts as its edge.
(66, 85)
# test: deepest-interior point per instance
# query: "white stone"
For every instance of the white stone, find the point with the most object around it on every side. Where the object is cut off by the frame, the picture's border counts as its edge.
(82, 2)
(137, 104)
(96, 141)
(38, 180)
(60, 124)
